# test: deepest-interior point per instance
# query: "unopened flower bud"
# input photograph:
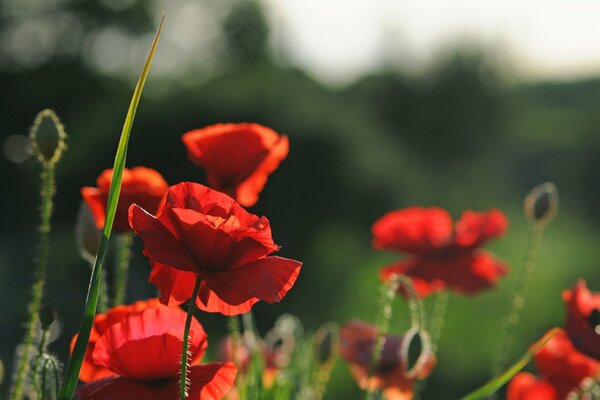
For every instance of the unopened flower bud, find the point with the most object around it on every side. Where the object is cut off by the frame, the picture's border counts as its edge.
(541, 204)
(327, 343)
(47, 316)
(87, 233)
(47, 137)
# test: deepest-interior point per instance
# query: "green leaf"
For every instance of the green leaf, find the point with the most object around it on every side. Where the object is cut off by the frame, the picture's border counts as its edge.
(68, 387)
(497, 382)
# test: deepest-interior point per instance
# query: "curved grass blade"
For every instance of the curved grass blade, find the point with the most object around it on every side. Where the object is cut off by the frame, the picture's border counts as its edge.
(74, 366)
(497, 382)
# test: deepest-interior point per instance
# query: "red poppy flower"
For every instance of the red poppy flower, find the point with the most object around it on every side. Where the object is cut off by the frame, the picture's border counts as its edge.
(357, 340)
(102, 322)
(526, 386)
(237, 158)
(143, 186)
(442, 255)
(583, 319)
(561, 367)
(143, 352)
(201, 232)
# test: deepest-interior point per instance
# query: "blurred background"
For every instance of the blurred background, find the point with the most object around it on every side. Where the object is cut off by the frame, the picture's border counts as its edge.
(387, 104)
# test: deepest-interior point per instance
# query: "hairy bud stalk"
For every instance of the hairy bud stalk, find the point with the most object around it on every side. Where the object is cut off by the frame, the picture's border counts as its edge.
(48, 141)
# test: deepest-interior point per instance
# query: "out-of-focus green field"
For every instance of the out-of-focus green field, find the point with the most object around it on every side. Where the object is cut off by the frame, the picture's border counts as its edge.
(463, 135)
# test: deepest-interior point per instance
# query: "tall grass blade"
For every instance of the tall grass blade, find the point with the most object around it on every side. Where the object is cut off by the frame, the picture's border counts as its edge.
(68, 387)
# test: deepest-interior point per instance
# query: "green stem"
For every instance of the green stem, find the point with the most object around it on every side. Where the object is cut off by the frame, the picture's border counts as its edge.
(517, 298)
(103, 298)
(437, 318)
(186, 338)
(123, 258)
(47, 194)
(388, 291)
(42, 349)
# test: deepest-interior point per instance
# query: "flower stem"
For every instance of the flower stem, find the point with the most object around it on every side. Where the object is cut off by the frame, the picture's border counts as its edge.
(437, 318)
(388, 291)
(22, 366)
(517, 298)
(123, 258)
(183, 380)
(42, 349)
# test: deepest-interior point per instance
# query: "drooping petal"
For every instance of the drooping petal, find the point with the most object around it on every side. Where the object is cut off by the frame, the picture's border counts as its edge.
(248, 190)
(160, 244)
(413, 230)
(475, 228)
(463, 272)
(147, 344)
(423, 287)
(96, 201)
(176, 286)
(525, 386)
(209, 301)
(237, 157)
(583, 319)
(207, 382)
(268, 279)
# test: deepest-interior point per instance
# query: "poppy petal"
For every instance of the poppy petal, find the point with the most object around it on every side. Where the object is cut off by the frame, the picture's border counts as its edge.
(207, 382)
(475, 228)
(525, 386)
(159, 243)
(268, 279)
(209, 301)
(583, 319)
(248, 190)
(124, 347)
(413, 230)
(96, 202)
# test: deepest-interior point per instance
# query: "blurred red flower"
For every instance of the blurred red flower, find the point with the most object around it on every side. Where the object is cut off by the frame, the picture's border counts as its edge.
(562, 369)
(102, 322)
(237, 158)
(583, 319)
(357, 342)
(199, 231)
(143, 186)
(143, 351)
(443, 255)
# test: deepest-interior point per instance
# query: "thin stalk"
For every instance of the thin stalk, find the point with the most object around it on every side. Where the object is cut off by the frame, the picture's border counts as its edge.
(47, 193)
(437, 318)
(388, 291)
(42, 349)
(103, 298)
(123, 258)
(517, 298)
(183, 380)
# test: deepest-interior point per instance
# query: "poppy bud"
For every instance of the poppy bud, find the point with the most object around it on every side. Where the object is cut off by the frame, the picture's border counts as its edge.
(541, 204)
(47, 316)
(327, 343)
(87, 233)
(416, 354)
(47, 136)
(49, 373)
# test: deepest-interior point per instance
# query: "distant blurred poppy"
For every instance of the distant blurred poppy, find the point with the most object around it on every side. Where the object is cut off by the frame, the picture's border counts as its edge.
(237, 158)
(583, 319)
(102, 322)
(143, 353)
(562, 369)
(199, 231)
(357, 343)
(443, 255)
(143, 186)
